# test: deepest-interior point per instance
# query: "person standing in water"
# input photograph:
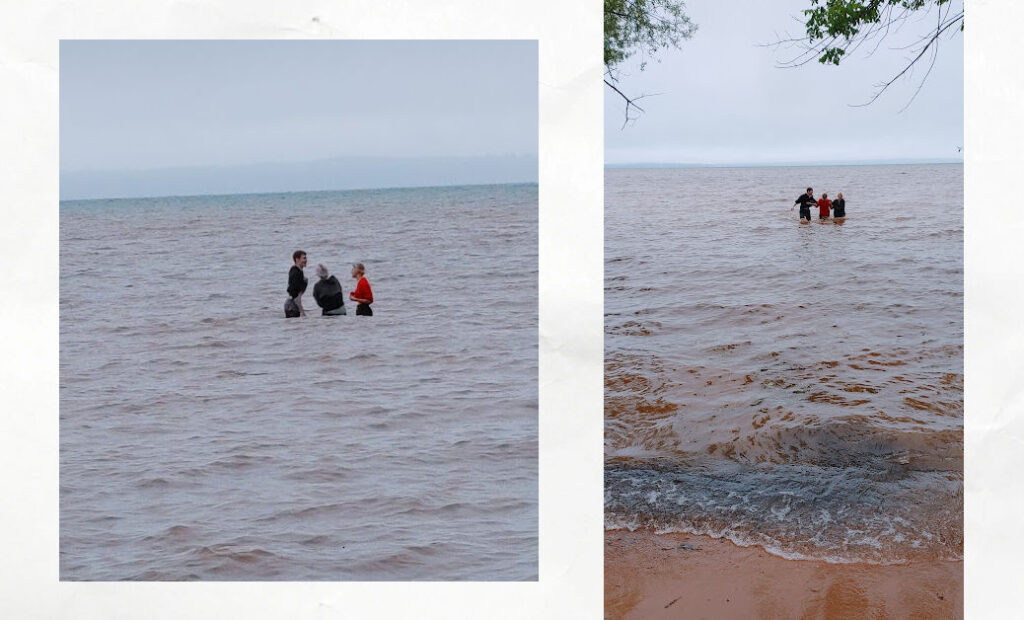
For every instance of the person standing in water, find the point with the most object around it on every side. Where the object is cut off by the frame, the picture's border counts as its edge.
(823, 207)
(328, 294)
(296, 286)
(805, 201)
(363, 295)
(839, 207)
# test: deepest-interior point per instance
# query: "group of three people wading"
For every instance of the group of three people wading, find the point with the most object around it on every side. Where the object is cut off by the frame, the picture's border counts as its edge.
(327, 292)
(806, 201)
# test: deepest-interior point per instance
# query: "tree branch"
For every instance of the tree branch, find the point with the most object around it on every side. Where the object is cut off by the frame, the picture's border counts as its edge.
(931, 41)
(630, 102)
(837, 30)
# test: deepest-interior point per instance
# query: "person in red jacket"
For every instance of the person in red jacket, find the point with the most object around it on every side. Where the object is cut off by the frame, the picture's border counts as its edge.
(363, 295)
(824, 204)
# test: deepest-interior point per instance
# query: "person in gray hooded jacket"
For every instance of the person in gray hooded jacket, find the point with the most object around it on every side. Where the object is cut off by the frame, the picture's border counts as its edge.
(328, 294)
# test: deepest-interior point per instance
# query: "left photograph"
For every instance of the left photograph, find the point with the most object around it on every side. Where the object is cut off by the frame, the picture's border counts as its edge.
(298, 310)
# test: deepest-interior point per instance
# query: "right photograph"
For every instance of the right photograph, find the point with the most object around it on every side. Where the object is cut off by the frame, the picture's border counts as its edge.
(784, 309)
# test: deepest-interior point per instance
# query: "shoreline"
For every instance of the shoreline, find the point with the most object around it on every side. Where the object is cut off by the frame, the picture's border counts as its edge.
(648, 575)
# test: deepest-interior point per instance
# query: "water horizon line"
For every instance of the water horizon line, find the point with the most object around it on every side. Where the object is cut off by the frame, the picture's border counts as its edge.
(299, 191)
(823, 164)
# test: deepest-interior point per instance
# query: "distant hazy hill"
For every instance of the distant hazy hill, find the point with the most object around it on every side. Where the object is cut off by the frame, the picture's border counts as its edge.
(327, 174)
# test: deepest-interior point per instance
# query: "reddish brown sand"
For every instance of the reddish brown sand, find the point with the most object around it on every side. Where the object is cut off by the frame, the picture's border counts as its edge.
(654, 576)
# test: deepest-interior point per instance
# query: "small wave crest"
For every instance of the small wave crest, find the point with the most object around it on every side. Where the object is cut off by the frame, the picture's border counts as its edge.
(837, 514)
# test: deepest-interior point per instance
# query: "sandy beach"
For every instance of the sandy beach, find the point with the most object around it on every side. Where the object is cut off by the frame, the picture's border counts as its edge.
(654, 576)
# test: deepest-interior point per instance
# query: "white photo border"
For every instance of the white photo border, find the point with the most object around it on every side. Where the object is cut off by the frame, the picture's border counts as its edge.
(570, 306)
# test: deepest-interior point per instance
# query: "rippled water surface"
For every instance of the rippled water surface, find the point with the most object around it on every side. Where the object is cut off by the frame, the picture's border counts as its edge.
(797, 387)
(204, 436)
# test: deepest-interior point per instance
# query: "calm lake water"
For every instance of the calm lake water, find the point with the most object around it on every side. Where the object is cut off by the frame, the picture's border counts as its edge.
(795, 387)
(204, 436)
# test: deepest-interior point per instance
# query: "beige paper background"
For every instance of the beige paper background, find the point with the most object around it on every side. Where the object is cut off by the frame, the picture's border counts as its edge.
(570, 307)
(994, 299)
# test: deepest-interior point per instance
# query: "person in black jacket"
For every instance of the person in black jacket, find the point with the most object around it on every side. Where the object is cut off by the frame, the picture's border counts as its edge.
(839, 206)
(296, 286)
(806, 201)
(328, 294)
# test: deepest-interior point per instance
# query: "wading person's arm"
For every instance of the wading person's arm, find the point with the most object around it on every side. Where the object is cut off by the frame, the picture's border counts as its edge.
(296, 286)
(363, 294)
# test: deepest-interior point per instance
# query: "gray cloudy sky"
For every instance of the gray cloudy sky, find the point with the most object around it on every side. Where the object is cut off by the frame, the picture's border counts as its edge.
(724, 101)
(143, 105)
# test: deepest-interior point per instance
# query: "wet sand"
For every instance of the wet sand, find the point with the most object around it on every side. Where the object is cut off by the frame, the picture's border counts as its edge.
(654, 576)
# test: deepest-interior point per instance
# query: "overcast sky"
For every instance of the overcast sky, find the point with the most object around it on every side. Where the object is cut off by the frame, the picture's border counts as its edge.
(724, 101)
(143, 105)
